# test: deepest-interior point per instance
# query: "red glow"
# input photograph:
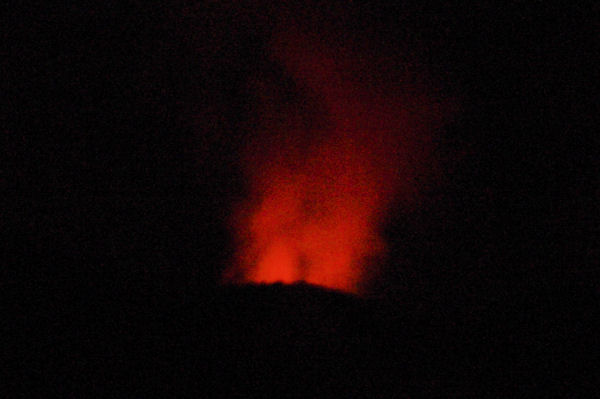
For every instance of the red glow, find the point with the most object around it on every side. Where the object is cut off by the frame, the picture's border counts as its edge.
(320, 191)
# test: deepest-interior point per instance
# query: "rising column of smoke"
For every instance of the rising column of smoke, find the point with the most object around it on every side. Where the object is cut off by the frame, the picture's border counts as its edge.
(327, 164)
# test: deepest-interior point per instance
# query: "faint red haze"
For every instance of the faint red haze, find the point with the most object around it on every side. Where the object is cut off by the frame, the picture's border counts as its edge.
(320, 191)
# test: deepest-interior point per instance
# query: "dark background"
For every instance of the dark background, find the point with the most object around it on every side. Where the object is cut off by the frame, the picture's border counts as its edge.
(122, 127)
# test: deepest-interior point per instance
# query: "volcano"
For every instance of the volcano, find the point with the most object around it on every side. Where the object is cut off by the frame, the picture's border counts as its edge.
(436, 159)
(300, 340)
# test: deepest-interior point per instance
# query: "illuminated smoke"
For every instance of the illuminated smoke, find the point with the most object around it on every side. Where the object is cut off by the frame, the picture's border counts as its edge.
(325, 165)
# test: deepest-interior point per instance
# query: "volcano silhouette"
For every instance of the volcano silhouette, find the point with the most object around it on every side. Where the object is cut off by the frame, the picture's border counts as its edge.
(301, 341)
(268, 340)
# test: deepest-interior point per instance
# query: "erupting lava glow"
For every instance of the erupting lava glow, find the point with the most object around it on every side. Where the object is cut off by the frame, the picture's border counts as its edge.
(324, 166)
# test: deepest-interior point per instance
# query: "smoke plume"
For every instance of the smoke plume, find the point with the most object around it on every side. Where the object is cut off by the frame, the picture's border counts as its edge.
(338, 141)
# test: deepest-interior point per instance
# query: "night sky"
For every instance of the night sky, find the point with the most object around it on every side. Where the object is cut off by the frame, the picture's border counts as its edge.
(124, 133)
